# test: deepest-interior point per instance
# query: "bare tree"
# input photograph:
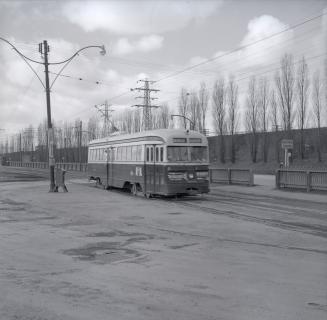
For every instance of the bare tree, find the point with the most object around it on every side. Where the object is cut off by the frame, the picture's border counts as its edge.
(252, 120)
(302, 85)
(203, 104)
(195, 112)
(317, 96)
(93, 128)
(263, 104)
(42, 141)
(183, 106)
(137, 120)
(284, 80)
(164, 116)
(219, 114)
(232, 119)
(274, 120)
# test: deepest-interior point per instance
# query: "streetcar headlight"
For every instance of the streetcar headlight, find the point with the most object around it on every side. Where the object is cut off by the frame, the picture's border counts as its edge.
(191, 176)
(202, 175)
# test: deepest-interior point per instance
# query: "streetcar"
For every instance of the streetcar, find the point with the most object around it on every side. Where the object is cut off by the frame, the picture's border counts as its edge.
(166, 162)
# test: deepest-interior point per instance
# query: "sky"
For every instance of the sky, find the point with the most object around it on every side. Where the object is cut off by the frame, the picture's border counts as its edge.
(145, 39)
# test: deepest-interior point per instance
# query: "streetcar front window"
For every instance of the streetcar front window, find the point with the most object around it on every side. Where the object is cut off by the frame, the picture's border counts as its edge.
(198, 153)
(177, 154)
(187, 154)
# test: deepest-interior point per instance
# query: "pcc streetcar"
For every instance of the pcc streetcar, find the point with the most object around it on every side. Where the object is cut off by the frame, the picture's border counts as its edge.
(159, 162)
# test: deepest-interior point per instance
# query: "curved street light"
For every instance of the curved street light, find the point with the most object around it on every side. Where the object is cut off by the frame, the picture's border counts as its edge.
(44, 49)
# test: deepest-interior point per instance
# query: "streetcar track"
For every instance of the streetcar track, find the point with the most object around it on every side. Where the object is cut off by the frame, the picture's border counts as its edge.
(294, 226)
(276, 206)
(311, 229)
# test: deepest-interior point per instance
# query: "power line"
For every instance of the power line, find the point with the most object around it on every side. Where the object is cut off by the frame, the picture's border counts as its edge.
(266, 71)
(241, 47)
(80, 78)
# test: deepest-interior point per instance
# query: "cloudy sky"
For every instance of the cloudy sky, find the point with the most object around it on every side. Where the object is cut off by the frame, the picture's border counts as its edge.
(153, 39)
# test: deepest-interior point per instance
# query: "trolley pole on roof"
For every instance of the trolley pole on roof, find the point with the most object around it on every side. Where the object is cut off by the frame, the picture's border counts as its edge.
(147, 116)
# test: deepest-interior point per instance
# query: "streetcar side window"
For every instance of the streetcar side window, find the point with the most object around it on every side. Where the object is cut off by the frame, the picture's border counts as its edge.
(161, 154)
(138, 153)
(128, 153)
(123, 156)
(147, 154)
(151, 154)
(157, 154)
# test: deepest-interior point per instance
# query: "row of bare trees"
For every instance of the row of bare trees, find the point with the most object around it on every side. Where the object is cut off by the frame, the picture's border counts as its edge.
(286, 101)
(289, 100)
(71, 137)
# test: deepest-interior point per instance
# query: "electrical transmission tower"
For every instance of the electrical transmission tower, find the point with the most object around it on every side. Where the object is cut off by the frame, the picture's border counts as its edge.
(105, 113)
(147, 117)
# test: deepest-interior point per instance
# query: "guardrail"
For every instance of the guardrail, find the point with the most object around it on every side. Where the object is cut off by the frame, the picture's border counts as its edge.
(38, 165)
(72, 166)
(301, 179)
(231, 176)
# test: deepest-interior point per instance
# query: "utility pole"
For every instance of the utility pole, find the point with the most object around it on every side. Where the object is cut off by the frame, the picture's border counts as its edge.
(80, 145)
(147, 117)
(105, 112)
(20, 148)
(44, 49)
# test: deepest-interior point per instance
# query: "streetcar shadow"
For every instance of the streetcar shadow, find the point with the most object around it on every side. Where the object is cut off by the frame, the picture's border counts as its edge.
(172, 198)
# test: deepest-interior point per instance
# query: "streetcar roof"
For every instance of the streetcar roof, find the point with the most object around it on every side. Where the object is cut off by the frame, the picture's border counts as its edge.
(161, 135)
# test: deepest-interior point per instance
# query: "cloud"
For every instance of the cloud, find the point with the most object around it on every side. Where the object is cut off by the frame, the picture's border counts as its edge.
(137, 17)
(147, 43)
(266, 50)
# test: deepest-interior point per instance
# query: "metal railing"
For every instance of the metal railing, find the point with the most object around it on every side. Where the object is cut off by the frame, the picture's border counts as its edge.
(68, 166)
(231, 176)
(73, 166)
(38, 165)
(301, 179)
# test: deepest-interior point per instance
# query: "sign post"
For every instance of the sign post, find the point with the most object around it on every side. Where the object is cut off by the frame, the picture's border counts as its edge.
(287, 144)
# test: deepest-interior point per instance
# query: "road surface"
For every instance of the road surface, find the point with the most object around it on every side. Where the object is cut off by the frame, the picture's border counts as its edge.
(94, 254)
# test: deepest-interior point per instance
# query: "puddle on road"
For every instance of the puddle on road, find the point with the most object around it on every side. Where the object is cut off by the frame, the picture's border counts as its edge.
(103, 252)
(14, 211)
(111, 251)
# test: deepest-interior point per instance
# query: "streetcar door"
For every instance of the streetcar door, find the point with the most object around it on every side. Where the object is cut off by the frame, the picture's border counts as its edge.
(110, 159)
(150, 174)
(158, 168)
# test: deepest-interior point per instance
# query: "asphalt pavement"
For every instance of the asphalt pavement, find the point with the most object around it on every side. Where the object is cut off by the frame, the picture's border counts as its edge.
(239, 253)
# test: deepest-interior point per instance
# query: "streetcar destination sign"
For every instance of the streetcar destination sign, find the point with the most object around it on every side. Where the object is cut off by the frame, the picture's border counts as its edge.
(287, 144)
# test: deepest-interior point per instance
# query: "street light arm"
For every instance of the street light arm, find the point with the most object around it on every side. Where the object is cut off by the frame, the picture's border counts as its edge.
(67, 61)
(21, 54)
(103, 52)
(26, 59)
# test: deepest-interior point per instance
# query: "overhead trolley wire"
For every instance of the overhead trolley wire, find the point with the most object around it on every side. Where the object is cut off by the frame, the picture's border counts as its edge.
(241, 47)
